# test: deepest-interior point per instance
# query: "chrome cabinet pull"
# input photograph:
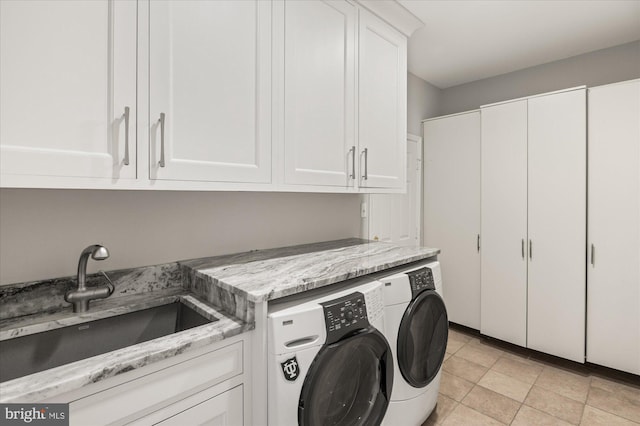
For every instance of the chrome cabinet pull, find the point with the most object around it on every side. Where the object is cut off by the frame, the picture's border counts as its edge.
(593, 255)
(161, 162)
(530, 250)
(522, 247)
(478, 243)
(126, 136)
(366, 160)
(353, 162)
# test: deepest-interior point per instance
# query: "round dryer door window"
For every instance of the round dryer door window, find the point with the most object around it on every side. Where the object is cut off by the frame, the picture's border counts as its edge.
(422, 339)
(349, 382)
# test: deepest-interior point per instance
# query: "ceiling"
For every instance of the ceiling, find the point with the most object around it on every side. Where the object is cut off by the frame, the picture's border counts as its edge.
(468, 40)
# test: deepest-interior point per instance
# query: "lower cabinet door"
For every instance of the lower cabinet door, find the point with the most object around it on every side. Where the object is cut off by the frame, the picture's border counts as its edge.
(221, 410)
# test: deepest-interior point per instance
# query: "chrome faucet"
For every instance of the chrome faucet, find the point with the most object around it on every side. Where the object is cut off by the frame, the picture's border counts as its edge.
(81, 296)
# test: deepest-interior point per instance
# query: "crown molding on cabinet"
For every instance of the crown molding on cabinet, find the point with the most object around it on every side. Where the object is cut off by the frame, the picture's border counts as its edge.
(394, 14)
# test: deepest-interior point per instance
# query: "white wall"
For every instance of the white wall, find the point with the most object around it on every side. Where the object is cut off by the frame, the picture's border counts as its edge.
(43, 231)
(423, 101)
(604, 66)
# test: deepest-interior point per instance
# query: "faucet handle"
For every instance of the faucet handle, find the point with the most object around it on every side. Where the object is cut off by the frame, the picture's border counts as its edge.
(109, 282)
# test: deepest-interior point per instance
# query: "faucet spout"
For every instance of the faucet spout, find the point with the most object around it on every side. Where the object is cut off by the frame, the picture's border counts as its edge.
(81, 297)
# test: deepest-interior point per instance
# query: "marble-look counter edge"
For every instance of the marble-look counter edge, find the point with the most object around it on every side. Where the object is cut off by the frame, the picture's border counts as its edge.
(268, 293)
(69, 377)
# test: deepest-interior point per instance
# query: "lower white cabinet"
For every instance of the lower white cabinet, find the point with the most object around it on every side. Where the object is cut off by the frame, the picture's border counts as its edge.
(452, 209)
(613, 296)
(169, 393)
(224, 409)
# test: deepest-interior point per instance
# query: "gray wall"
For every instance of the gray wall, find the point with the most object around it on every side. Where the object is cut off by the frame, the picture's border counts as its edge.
(423, 101)
(43, 231)
(604, 66)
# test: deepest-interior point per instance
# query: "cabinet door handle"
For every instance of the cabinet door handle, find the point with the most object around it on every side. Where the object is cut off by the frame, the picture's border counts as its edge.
(593, 255)
(478, 243)
(365, 176)
(126, 136)
(522, 247)
(530, 250)
(161, 162)
(353, 162)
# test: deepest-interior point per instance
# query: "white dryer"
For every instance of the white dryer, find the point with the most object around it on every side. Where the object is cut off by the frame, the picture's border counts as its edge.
(417, 328)
(329, 363)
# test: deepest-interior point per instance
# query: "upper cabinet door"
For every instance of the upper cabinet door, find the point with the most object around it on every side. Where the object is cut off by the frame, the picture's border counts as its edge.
(210, 90)
(557, 153)
(319, 92)
(503, 222)
(382, 103)
(67, 76)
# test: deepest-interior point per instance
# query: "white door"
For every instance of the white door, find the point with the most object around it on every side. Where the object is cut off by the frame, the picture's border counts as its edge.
(221, 410)
(382, 103)
(210, 90)
(613, 299)
(67, 76)
(452, 210)
(557, 224)
(319, 93)
(503, 222)
(395, 218)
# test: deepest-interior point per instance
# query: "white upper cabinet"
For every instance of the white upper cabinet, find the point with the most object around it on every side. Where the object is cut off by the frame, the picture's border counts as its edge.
(504, 222)
(613, 299)
(210, 90)
(204, 95)
(67, 76)
(382, 103)
(319, 92)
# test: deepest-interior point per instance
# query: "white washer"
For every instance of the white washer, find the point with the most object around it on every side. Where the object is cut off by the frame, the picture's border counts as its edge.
(416, 326)
(328, 362)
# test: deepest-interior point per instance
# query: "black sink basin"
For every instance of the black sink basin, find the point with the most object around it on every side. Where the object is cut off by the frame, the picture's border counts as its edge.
(38, 352)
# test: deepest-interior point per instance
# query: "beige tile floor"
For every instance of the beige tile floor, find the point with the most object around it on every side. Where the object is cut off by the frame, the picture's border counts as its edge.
(486, 382)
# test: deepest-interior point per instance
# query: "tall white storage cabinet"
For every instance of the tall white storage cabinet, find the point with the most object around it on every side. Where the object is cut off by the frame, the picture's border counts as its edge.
(452, 209)
(210, 90)
(68, 88)
(613, 302)
(534, 222)
(504, 222)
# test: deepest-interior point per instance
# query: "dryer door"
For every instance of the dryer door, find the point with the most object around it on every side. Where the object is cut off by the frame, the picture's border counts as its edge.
(422, 339)
(349, 382)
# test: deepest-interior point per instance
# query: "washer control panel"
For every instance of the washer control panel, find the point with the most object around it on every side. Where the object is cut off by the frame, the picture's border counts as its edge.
(420, 280)
(344, 315)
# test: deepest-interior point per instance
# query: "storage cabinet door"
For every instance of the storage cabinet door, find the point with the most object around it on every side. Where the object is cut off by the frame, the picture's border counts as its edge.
(452, 210)
(319, 92)
(613, 299)
(557, 224)
(382, 103)
(210, 81)
(222, 410)
(67, 74)
(503, 301)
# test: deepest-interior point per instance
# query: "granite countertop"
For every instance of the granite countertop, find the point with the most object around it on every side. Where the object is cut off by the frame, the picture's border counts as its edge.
(225, 287)
(265, 275)
(68, 377)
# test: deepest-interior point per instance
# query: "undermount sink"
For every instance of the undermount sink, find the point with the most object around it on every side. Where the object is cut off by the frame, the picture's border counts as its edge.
(38, 352)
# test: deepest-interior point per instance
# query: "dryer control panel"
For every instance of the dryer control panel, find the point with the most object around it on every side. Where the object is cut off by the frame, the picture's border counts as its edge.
(344, 315)
(421, 279)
